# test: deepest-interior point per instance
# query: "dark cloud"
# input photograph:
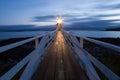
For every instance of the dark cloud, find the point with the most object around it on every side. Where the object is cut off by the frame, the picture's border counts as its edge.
(88, 23)
(81, 19)
(92, 25)
(106, 15)
(77, 25)
(52, 17)
(43, 18)
(66, 17)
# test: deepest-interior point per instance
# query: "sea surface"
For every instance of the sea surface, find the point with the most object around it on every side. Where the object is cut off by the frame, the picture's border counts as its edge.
(24, 34)
(98, 34)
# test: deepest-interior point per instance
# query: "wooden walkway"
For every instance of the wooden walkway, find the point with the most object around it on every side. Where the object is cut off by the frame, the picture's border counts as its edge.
(59, 63)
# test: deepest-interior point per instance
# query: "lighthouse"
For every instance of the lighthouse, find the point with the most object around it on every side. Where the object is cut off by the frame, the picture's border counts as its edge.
(59, 23)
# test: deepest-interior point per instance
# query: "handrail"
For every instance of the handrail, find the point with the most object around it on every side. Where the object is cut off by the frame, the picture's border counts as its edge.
(14, 70)
(106, 71)
(83, 60)
(104, 44)
(35, 60)
(13, 45)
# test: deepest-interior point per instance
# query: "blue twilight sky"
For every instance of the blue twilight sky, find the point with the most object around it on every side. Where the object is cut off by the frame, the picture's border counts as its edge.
(77, 14)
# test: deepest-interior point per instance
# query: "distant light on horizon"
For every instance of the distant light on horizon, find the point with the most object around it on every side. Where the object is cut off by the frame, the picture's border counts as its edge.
(59, 20)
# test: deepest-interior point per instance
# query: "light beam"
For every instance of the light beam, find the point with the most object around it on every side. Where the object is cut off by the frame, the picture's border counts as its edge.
(59, 20)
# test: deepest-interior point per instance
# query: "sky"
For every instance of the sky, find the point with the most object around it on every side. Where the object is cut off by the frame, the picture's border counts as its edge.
(77, 14)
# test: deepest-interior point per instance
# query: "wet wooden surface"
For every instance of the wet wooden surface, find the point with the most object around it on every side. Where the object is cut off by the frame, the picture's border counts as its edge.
(59, 63)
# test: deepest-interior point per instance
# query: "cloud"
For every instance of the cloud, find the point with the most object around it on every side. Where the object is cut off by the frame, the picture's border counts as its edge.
(111, 18)
(43, 23)
(97, 15)
(92, 25)
(43, 18)
(72, 21)
(51, 17)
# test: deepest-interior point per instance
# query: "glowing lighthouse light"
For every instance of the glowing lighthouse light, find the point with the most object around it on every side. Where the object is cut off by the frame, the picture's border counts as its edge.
(59, 20)
(59, 23)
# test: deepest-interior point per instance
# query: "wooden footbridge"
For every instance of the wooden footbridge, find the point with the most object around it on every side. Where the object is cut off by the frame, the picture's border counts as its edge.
(59, 55)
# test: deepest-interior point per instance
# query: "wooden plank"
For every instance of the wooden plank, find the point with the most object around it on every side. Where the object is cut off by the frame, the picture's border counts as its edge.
(36, 43)
(59, 63)
(46, 68)
(81, 42)
(35, 60)
(50, 70)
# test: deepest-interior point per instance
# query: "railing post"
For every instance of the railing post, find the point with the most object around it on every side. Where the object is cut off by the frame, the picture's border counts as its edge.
(81, 42)
(36, 43)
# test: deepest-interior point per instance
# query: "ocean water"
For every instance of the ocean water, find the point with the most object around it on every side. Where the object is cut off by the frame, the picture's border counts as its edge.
(98, 34)
(94, 34)
(24, 34)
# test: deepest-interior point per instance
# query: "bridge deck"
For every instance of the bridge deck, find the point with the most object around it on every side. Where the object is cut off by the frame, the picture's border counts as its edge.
(59, 63)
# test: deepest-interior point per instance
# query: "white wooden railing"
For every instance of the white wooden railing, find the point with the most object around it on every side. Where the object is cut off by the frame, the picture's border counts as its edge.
(78, 50)
(32, 60)
(83, 60)
(104, 44)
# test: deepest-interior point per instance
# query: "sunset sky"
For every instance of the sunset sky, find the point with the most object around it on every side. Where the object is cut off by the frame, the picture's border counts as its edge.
(76, 13)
